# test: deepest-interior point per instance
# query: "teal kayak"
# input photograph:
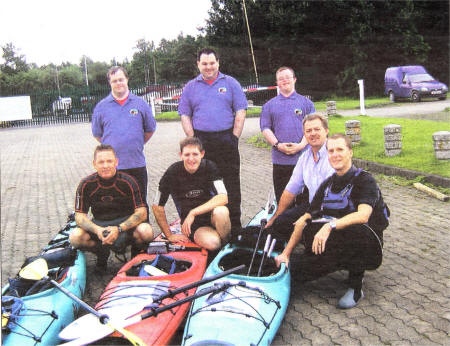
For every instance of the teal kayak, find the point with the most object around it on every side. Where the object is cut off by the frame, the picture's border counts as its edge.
(247, 313)
(34, 312)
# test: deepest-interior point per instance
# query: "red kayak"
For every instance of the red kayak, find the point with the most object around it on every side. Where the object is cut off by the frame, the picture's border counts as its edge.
(135, 291)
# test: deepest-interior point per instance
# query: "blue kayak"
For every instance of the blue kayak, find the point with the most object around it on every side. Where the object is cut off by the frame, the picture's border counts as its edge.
(34, 312)
(251, 310)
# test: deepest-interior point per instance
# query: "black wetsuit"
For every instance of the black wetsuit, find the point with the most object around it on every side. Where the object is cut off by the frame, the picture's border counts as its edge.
(188, 190)
(355, 248)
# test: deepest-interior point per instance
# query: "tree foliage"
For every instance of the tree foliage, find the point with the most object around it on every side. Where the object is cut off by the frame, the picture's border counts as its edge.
(330, 44)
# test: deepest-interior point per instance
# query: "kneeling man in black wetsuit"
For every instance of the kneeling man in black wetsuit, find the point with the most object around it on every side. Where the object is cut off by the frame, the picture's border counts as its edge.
(119, 212)
(344, 225)
(200, 197)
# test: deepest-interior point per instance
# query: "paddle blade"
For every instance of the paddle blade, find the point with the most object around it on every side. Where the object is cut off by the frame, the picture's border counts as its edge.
(36, 270)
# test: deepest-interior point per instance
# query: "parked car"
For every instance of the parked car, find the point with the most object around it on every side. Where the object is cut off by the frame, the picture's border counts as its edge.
(412, 82)
(62, 105)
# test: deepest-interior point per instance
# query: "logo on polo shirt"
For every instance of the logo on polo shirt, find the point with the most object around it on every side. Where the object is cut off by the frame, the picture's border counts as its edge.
(223, 90)
(193, 193)
(298, 111)
(134, 111)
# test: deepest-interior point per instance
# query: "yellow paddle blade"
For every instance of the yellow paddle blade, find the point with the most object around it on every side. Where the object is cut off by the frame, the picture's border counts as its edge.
(36, 270)
(5, 319)
(131, 337)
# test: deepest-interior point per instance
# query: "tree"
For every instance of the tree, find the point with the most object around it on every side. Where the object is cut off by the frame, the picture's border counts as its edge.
(141, 69)
(14, 62)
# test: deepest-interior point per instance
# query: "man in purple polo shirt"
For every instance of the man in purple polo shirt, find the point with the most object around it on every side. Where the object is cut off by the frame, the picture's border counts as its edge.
(213, 108)
(125, 121)
(310, 171)
(281, 124)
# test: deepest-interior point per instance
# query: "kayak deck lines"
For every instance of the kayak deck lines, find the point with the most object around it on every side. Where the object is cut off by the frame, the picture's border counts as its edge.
(263, 297)
(131, 293)
(243, 287)
(29, 332)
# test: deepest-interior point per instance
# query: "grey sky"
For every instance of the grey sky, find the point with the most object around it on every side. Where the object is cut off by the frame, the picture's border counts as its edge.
(57, 31)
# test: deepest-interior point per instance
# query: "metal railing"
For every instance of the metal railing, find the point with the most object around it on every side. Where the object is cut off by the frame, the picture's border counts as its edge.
(76, 105)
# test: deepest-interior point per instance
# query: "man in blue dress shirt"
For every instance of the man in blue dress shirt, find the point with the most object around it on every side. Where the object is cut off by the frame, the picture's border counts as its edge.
(310, 171)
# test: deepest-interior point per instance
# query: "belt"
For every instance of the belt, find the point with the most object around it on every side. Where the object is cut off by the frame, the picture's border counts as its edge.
(213, 132)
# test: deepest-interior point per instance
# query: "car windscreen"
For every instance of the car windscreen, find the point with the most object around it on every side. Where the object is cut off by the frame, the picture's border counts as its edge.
(417, 78)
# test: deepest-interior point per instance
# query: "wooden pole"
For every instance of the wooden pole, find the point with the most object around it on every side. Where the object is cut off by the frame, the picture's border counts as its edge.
(431, 192)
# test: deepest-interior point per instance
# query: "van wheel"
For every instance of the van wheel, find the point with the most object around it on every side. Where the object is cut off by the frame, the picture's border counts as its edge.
(415, 97)
(391, 96)
(443, 97)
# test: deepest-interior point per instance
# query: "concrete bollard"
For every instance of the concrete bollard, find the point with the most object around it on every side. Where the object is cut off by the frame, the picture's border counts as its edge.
(392, 139)
(353, 131)
(331, 108)
(441, 142)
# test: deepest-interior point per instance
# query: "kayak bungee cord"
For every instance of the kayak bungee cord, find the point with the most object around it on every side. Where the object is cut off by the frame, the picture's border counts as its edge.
(241, 286)
(30, 334)
(263, 297)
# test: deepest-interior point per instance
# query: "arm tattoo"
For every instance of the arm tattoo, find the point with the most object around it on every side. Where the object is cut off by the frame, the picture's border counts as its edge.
(83, 222)
(135, 219)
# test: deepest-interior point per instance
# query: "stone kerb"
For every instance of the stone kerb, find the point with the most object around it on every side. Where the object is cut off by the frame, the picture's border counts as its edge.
(441, 141)
(331, 108)
(392, 139)
(353, 131)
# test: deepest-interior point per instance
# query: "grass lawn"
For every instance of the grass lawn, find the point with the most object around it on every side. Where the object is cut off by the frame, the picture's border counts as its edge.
(341, 103)
(417, 143)
(346, 103)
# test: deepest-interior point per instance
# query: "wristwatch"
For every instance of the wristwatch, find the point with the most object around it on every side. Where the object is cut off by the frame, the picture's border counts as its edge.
(332, 223)
(276, 145)
(120, 229)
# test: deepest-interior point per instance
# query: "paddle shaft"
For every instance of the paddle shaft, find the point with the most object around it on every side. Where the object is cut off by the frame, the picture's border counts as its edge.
(201, 293)
(266, 248)
(172, 293)
(263, 224)
(103, 318)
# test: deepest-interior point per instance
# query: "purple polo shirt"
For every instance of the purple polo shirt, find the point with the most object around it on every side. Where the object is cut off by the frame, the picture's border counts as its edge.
(284, 116)
(309, 173)
(123, 128)
(212, 107)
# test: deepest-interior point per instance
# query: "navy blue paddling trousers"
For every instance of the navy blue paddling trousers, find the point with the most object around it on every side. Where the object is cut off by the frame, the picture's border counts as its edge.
(222, 148)
(356, 248)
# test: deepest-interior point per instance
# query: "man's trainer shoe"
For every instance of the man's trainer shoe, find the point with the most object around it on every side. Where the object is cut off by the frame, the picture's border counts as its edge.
(348, 299)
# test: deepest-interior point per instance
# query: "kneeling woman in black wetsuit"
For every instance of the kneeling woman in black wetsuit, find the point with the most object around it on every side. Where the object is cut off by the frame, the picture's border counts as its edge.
(344, 225)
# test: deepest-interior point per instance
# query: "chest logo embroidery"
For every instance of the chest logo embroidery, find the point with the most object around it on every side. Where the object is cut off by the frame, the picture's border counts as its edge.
(107, 199)
(298, 111)
(193, 193)
(134, 111)
(222, 90)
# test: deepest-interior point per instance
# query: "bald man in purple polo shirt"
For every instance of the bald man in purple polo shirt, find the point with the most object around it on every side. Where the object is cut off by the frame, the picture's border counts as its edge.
(213, 108)
(281, 124)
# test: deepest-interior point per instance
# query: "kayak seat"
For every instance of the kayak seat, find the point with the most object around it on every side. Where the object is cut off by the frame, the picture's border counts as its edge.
(20, 287)
(243, 256)
(163, 263)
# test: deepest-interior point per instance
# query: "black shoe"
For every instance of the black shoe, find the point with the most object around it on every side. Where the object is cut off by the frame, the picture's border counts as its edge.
(102, 258)
(138, 249)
